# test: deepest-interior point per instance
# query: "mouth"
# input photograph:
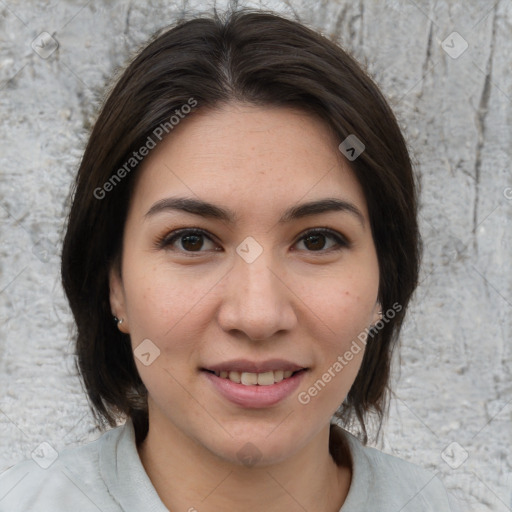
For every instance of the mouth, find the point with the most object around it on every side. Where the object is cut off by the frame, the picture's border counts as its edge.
(253, 390)
(251, 384)
(267, 378)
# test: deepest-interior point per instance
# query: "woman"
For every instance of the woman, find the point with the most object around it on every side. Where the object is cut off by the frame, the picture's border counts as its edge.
(240, 253)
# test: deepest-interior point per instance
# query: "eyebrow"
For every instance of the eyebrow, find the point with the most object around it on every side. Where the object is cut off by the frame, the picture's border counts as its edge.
(210, 210)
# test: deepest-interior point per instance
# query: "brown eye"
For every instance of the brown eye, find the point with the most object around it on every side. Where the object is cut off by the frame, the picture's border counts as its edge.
(315, 240)
(192, 242)
(188, 240)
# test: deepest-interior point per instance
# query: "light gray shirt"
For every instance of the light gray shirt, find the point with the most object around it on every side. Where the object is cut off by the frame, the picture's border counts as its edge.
(107, 475)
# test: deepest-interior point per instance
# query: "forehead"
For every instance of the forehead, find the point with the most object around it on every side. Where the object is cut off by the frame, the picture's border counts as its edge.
(245, 155)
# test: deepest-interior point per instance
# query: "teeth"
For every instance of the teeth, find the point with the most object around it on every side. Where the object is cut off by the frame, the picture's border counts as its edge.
(234, 376)
(265, 379)
(251, 379)
(278, 376)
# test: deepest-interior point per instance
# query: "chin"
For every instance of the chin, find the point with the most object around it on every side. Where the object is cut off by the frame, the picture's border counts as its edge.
(256, 451)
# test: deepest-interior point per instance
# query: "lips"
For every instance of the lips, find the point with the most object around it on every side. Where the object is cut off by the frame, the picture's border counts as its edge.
(244, 365)
(253, 394)
(255, 384)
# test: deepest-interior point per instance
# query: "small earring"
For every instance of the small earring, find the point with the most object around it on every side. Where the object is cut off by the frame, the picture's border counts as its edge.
(118, 321)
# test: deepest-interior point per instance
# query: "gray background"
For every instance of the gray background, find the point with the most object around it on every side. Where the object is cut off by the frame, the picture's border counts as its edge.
(453, 384)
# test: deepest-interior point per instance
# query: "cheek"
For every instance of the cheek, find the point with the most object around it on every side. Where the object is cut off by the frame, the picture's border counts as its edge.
(346, 314)
(344, 304)
(166, 308)
(356, 311)
(162, 299)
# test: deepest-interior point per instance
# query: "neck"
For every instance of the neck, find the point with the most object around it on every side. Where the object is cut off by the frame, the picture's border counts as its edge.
(189, 477)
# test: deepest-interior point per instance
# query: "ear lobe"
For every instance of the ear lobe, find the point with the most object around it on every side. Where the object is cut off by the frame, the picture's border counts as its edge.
(117, 303)
(377, 315)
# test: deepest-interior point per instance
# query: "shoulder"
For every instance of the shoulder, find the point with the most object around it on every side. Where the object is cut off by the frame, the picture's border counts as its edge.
(51, 481)
(386, 482)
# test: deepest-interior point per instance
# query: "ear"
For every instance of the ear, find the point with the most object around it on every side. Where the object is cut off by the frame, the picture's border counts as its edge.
(377, 313)
(117, 300)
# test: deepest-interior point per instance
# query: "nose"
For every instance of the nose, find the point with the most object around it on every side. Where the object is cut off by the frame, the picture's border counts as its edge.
(257, 300)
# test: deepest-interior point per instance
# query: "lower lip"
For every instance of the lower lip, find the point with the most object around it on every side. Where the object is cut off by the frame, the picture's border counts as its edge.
(254, 397)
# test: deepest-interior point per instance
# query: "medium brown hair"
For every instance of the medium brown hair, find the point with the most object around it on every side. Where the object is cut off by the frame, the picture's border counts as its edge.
(263, 59)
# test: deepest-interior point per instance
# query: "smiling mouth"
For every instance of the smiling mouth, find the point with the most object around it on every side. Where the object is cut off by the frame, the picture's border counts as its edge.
(256, 379)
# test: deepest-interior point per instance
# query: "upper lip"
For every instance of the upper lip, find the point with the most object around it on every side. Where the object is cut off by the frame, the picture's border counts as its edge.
(244, 365)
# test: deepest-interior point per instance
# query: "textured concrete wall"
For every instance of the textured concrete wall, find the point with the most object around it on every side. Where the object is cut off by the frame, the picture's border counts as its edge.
(454, 104)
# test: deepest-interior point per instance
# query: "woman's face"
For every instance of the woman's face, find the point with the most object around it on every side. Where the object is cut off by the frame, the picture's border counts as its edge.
(253, 292)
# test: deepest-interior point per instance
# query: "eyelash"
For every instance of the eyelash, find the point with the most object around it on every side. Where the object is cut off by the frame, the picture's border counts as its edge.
(168, 239)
